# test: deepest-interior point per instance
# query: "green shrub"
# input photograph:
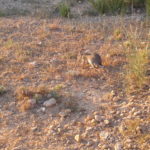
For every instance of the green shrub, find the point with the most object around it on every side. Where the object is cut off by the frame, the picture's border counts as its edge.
(64, 10)
(100, 5)
(115, 6)
(148, 7)
(105, 6)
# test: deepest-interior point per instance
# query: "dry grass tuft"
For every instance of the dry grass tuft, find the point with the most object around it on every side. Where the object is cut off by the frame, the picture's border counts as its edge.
(25, 94)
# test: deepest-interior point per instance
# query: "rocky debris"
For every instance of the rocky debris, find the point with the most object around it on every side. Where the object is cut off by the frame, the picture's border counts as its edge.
(77, 137)
(49, 102)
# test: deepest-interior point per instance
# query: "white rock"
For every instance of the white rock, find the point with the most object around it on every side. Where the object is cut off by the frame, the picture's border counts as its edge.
(49, 102)
(33, 63)
(118, 146)
(97, 118)
(106, 122)
(77, 138)
(42, 109)
(104, 135)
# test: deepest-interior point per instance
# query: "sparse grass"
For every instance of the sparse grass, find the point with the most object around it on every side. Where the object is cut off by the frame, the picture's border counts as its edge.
(64, 10)
(136, 69)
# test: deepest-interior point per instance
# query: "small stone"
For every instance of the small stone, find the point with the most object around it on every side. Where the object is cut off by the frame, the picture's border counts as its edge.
(96, 113)
(88, 118)
(90, 143)
(77, 138)
(33, 64)
(104, 135)
(106, 122)
(34, 129)
(42, 109)
(93, 121)
(118, 146)
(97, 118)
(136, 113)
(59, 130)
(49, 102)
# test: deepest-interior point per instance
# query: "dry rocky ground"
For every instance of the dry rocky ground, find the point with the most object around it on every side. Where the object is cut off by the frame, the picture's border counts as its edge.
(52, 101)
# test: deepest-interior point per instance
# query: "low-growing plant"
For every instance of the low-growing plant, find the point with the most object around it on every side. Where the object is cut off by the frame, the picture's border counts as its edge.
(64, 10)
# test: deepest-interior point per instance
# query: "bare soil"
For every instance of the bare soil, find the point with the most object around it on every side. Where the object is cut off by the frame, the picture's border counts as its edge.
(44, 52)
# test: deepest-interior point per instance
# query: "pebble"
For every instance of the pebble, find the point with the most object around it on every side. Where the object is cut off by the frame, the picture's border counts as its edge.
(118, 146)
(136, 113)
(97, 118)
(90, 143)
(104, 135)
(106, 122)
(42, 109)
(77, 138)
(49, 102)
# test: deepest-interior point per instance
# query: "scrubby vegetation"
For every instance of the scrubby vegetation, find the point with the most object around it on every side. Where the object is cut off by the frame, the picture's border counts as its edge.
(64, 10)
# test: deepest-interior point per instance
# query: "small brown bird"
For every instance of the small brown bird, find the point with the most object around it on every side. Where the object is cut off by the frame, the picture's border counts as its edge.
(93, 59)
